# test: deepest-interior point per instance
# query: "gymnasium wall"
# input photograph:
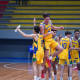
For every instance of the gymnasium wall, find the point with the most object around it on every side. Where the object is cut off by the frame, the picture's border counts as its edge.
(14, 45)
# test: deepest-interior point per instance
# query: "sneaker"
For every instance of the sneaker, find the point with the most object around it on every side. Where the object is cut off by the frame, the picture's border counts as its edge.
(42, 74)
(48, 62)
(75, 68)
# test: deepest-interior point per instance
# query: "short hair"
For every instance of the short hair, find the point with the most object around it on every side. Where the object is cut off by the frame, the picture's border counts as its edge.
(59, 34)
(36, 28)
(53, 30)
(46, 15)
(67, 32)
(76, 30)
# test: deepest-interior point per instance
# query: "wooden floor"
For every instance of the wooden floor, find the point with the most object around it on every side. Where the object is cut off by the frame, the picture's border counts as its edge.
(23, 71)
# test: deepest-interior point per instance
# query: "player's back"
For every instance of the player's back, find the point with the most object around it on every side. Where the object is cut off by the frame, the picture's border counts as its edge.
(75, 53)
(65, 42)
(38, 45)
(47, 28)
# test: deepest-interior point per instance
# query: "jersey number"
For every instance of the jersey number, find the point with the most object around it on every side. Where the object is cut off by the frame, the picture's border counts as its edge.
(64, 45)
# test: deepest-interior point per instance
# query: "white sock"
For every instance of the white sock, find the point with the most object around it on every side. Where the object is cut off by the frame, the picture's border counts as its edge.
(45, 75)
(50, 57)
(35, 77)
(38, 78)
(61, 78)
(42, 68)
(55, 77)
(49, 78)
(79, 73)
(70, 78)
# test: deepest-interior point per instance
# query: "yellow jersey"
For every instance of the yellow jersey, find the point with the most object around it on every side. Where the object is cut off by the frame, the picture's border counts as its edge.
(75, 53)
(65, 42)
(47, 28)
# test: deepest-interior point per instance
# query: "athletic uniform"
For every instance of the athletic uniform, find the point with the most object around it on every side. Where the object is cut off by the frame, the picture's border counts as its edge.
(75, 53)
(38, 52)
(48, 41)
(53, 50)
(64, 55)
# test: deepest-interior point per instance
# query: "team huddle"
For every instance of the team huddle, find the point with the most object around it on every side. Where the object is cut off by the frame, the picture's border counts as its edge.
(48, 48)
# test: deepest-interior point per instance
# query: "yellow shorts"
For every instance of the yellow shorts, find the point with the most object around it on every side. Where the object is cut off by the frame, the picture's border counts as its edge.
(50, 43)
(38, 57)
(77, 60)
(62, 61)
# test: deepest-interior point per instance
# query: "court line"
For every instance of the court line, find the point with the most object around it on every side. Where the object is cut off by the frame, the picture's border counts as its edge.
(6, 65)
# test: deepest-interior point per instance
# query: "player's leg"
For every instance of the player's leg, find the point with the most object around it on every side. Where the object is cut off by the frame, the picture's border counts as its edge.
(39, 72)
(49, 73)
(54, 69)
(61, 62)
(78, 66)
(69, 62)
(34, 69)
(59, 50)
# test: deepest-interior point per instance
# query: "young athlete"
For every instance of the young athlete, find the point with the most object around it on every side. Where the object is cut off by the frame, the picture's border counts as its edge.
(38, 50)
(55, 59)
(60, 36)
(45, 27)
(66, 43)
(75, 53)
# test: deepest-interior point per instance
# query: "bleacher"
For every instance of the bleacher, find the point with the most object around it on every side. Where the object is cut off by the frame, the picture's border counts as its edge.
(63, 12)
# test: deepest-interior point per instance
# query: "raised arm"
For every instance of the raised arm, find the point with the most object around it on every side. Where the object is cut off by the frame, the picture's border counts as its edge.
(34, 21)
(56, 28)
(25, 35)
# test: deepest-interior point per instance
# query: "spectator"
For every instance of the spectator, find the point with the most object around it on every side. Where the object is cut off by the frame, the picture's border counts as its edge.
(17, 2)
(25, 2)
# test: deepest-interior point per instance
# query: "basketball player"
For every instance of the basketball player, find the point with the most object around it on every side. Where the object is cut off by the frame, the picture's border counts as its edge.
(55, 59)
(75, 53)
(64, 56)
(45, 27)
(38, 50)
(60, 36)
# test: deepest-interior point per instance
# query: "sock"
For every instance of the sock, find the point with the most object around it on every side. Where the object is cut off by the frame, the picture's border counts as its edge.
(42, 68)
(44, 75)
(61, 78)
(50, 57)
(49, 78)
(79, 73)
(70, 78)
(35, 77)
(55, 76)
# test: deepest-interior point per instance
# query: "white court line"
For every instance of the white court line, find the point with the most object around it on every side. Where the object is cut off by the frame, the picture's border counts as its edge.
(6, 65)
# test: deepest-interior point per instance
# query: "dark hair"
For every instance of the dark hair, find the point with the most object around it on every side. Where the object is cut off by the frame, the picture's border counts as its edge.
(36, 28)
(67, 32)
(46, 15)
(76, 30)
(53, 30)
(59, 34)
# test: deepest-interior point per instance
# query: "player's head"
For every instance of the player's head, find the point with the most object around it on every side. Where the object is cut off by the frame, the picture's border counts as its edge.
(55, 31)
(68, 34)
(76, 32)
(60, 35)
(46, 17)
(36, 29)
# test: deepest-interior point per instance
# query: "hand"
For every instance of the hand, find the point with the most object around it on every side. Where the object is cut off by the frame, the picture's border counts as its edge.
(34, 20)
(51, 32)
(18, 27)
(61, 27)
